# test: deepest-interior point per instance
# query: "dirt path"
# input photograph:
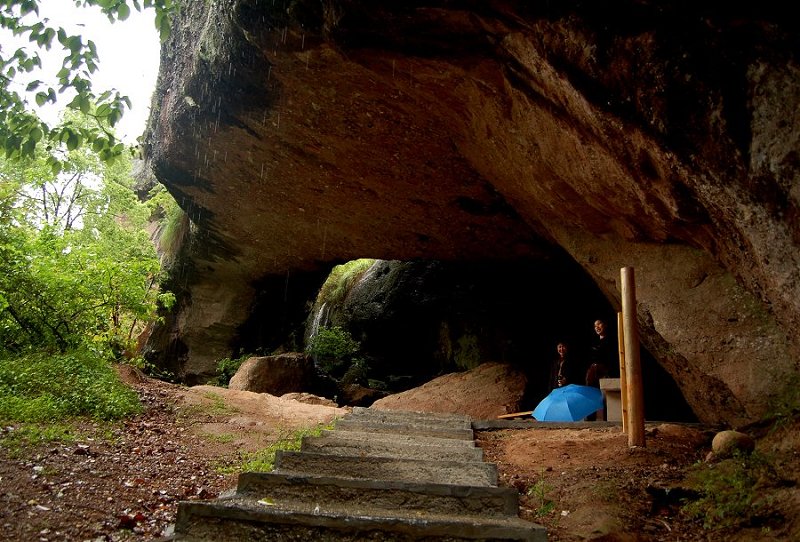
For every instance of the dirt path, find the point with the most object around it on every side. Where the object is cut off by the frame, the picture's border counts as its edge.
(581, 483)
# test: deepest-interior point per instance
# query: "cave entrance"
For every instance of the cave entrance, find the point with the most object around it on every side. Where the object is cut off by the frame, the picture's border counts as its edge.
(417, 320)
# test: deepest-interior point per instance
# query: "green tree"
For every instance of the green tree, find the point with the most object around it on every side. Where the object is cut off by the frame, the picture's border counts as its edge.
(21, 129)
(77, 264)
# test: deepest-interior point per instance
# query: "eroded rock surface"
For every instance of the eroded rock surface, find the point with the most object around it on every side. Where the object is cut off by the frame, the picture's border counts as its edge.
(483, 393)
(654, 134)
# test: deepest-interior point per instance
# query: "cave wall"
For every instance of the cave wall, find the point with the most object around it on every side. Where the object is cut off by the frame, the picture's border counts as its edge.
(657, 134)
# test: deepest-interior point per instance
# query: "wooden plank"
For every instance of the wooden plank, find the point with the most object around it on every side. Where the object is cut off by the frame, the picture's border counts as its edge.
(515, 415)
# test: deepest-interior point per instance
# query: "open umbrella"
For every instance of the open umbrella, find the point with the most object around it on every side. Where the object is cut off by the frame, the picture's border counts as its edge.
(569, 404)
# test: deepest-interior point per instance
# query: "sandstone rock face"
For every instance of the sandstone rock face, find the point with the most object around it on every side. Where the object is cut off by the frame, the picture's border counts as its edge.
(276, 375)
(647, 133)
(483, 393)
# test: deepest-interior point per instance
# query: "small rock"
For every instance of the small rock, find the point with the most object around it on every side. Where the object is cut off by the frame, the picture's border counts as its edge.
(725, 443)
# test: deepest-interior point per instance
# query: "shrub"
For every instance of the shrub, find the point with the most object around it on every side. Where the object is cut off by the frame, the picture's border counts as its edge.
(44, 388)
(333, 349)
(226, 368)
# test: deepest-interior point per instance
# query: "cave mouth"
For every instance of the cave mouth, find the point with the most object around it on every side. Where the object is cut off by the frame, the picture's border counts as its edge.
(417, 320)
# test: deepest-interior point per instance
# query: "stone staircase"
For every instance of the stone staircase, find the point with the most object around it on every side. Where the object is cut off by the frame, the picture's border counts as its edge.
(379, 475)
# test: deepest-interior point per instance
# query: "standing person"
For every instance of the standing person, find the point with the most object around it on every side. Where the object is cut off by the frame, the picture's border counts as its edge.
(604, 357)
(604, 362)
(564, 369)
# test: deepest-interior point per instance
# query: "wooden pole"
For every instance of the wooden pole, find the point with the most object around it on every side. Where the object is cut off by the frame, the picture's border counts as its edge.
(633, 367)
(623, 381)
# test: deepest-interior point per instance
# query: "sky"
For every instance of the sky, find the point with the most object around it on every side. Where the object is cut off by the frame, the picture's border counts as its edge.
(129, 57)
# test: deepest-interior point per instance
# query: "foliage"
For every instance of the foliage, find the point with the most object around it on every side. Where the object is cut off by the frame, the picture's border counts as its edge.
(226, 368)
(264, 460)
(729, 490)
(333, 349)
(17, 439)
(174, 223)
(41, 388)
(341, 279)
(152, 370)
(22, 132)
(77, 264)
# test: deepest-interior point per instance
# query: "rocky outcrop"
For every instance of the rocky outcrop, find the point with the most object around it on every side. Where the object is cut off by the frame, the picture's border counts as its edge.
(647, 133)
(488, 391)
(276, 375)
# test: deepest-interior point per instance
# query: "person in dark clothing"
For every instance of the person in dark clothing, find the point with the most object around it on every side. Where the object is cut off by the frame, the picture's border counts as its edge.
(564, 370)
(604, 362)
(604, 357)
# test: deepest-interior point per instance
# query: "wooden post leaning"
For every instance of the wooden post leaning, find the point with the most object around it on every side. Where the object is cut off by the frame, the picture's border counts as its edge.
(633, 367)
(623, 381)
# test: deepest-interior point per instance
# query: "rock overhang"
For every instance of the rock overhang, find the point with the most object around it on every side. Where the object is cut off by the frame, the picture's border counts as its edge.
(319, 132)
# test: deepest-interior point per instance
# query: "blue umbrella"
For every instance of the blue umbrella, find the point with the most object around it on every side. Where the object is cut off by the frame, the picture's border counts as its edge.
(569, 404)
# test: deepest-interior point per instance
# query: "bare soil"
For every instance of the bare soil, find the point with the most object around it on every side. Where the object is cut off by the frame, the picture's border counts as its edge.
(124, 483)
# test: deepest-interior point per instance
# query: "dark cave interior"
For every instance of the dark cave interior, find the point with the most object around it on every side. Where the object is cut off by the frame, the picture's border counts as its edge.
(513, 311)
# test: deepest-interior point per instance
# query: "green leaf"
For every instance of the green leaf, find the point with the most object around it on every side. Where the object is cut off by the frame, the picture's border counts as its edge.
(74, 44)
(103, 110)
(85, 104)
(163, 26)
(28, 147)
(55, 166)
(49, 34)
(123, 12)
(27, 6)
(73, 141)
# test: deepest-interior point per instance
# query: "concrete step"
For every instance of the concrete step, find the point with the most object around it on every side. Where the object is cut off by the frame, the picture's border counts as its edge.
(379, 476)
(344, 446)
(386, 496)
(399, 439)
(246, 519)
(403, 415)
(400, 428)
(464, 473)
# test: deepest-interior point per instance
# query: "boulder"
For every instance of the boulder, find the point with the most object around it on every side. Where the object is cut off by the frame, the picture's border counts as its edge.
(725, 443)
(276, 375)
(489, 390)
